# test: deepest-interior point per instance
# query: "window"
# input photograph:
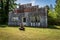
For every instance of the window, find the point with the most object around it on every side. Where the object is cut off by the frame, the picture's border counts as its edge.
(24, 19)
(35, 19)
(32, 19)
(38, 18)
(15, 19)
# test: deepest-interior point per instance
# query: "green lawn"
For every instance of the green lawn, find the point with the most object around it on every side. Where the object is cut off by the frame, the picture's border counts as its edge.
(13, 33)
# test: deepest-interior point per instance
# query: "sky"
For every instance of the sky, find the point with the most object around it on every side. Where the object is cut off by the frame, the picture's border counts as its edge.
(41, 3)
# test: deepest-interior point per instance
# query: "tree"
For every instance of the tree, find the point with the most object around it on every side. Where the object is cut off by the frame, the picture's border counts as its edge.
(52, 17)
(1, 10)
(6, 7)
(57, 9)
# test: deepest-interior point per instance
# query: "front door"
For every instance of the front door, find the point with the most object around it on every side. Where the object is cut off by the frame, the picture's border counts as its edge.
(24, 20)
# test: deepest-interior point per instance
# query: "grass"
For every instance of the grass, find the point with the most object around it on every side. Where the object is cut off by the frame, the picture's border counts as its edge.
(13, 33)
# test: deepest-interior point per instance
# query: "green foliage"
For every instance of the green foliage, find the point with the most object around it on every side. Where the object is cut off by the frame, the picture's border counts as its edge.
(52, 17)
(57, 9)
(6, 6)
(12, 5)
(52, 14)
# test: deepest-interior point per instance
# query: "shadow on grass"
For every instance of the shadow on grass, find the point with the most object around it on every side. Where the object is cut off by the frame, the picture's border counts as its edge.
(49, 27)
(3, 26)
(53, 27)
(13, 26)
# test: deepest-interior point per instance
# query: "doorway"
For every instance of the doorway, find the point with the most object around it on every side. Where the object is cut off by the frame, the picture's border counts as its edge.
(24, 20)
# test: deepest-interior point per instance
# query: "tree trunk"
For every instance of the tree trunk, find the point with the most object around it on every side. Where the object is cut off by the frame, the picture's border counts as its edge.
(6, 11)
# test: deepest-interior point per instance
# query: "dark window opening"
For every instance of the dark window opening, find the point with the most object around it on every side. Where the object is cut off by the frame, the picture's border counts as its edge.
(24, 19)
(36, 20)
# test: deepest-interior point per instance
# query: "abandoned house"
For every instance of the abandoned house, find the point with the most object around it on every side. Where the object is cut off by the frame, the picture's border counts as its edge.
(28, 15)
